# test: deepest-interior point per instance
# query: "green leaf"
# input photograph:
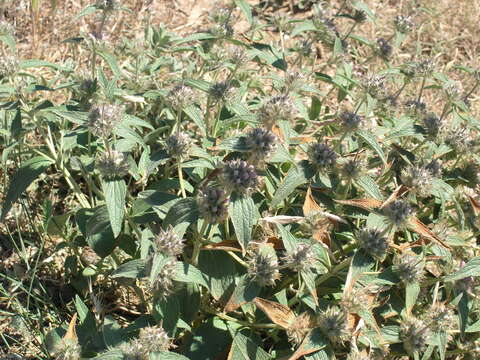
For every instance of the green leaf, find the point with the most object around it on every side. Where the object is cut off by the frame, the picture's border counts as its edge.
(181, 215)
(21, 180)
(246, 9)
(296, 176)
(110, 355)
(472, 268)
(90, 9)
(219, 270)
(99, 233)
(189, 274)
(209, 341)
(370, 140)
(411, 294)
(290, 242)
(133, 269)
(115, 192)
(245, 291)
(195, 114)
(243, 212)
(315, 108)
(370, 187)
(9, 40)
(244, 348)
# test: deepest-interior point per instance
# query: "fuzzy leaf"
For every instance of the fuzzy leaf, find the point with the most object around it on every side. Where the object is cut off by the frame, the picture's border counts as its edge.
(115, 192)
(370, 140)
(181, 215)
(242, 211)
(296, 176)
(21, 180)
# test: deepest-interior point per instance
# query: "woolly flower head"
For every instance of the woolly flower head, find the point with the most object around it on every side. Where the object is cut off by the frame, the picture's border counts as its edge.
(301, 258)
(154, 339)
(221, 91)
(373, 242)
(432, 125)
(261, 143)
(299, 328)
(213, 204)
(383, 48)
(351, 169)
(112, 164)
(403, 24)
(181, 96)
(374, 85)
(458, 138)
(8, 66)
(415, 108)
(239, 176)
(418, 179)
(333, 323)
(397, 213)
(163, 282)
(350, 121)
(440, 317)
(276, 109)
(415, 334)
(103, 119)
(263, 268)
(294, 80)
(67, 349)
(168, 242)
(434, 167)
(409, 268)
(178, 145)
(321, 155)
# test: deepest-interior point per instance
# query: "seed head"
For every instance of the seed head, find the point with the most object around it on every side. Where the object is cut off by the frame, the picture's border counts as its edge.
(424, 67)
(432, 125)
(350, 121)
(163, 283)
(418, 179)
(180, 97)
(383, 49)
(403, 24)
(333, 323)
(236, 55)
(294, 80)
(409, 268)
(67, 349)
(113, 164)
(133, 350)
(355, 355)
(276, 109)
(414, 334)
(374, 85)
(415, 108)
(178, 145)
(302, 258)
(435, 168)
(373, 242)
(221, 91)
(213, 205)
(471, 173)
(453, 90)
(221, 30)
(359, 16)
(397, 213)
(154, 339)
(326, 30)
(299, 328)
(8, 66)
(168, 242)
(263, 268)
(458, 139)
(351, 169)
(304, 47)
(321, 155)
(239, 176)
(104, 118)
(261, 143)
(88, 87)
(440, 317)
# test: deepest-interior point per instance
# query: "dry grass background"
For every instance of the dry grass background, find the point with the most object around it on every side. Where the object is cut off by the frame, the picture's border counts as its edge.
(447, 29)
